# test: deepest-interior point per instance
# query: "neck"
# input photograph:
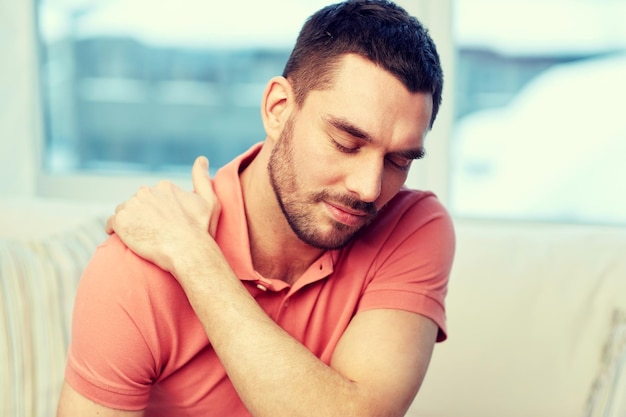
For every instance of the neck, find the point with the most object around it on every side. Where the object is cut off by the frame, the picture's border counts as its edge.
(268, 230)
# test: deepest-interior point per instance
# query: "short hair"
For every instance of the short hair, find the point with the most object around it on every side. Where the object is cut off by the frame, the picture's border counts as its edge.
(377, 30)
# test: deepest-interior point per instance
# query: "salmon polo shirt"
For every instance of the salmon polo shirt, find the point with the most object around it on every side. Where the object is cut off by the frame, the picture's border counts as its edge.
(137, 344)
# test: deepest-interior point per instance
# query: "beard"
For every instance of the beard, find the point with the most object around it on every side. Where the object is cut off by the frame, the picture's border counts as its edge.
(299, 208)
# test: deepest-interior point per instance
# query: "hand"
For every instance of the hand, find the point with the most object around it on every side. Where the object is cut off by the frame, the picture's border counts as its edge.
(161, 223)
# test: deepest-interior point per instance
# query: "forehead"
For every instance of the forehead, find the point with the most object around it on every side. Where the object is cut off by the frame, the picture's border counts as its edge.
(373, 99)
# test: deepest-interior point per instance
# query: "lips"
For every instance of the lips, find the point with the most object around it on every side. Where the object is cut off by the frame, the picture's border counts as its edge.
(345, 215)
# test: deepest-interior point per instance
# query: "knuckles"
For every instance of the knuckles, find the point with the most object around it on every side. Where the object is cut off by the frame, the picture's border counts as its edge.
(165, 185)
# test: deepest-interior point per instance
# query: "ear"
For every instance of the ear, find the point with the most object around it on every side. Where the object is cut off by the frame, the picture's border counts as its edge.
(276, 106)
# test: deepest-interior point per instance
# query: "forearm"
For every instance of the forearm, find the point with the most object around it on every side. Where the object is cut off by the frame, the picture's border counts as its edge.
(273, 373)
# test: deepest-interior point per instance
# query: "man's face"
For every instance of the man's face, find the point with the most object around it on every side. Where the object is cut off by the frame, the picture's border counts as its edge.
(346, 152)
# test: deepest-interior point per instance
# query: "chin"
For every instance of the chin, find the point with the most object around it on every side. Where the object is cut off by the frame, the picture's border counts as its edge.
(330, 241)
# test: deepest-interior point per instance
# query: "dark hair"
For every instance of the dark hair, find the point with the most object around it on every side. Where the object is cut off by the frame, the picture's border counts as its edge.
(378, 30)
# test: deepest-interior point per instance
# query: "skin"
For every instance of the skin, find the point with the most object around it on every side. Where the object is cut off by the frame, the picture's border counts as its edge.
(334, 163)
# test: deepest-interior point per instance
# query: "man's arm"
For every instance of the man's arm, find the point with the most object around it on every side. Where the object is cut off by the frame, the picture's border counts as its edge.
(91, 324)
(386, 352)
(72, 404)
(376, 369)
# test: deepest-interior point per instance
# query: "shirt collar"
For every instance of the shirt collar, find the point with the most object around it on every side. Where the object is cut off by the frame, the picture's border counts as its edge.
(232, 232)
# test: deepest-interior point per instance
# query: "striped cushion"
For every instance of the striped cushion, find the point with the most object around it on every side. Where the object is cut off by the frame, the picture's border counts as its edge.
(37, 285)
(608, 397)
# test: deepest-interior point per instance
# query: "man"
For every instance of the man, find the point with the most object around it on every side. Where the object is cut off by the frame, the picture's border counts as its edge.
(319, 287)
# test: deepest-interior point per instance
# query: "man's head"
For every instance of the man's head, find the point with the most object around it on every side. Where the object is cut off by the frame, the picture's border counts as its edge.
(342, 155)
(350, 114)
(377, 30)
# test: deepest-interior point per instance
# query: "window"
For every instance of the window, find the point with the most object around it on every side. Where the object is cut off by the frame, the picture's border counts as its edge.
(132, 90)
(539, 127)
(130, 87)
(137, 85)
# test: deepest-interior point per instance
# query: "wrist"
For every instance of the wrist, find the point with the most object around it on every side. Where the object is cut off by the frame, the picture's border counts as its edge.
(196, 261)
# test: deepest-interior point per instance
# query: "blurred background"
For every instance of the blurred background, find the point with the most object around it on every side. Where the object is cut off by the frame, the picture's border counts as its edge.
(98, 97)
(531, 127)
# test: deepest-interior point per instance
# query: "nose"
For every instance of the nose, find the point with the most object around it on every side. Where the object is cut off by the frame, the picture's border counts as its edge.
(365, 179)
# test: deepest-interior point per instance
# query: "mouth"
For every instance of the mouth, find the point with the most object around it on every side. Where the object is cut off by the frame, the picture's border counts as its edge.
(346, 215)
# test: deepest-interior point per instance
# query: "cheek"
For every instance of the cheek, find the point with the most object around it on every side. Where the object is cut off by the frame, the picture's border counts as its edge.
(320, 171)
(317, 166)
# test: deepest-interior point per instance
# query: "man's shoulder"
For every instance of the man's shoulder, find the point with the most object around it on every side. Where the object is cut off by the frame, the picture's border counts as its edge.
(408, 196)
(115, 268)
(115, 251)
(408, 216)
(413, 206)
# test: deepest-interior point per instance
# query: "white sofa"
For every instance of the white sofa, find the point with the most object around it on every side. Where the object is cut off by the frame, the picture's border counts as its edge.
(537, 316)
(537, 324)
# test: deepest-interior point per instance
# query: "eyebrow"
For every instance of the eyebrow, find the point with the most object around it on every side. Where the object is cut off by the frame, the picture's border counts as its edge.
(352, 130)
(347, 127)
(412, 153)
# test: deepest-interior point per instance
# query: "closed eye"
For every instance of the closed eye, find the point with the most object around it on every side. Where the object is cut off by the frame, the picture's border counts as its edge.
(402, 160)
(400, 164)
(343, 148)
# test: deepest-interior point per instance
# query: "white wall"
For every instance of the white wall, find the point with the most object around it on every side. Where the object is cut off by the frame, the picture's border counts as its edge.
(18, 104)
(431, 173)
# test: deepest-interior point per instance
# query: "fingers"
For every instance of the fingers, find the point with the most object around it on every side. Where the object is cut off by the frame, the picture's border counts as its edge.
(109, 225)
(201, 179)
(168, 201)
(213, 221)
(202, 185)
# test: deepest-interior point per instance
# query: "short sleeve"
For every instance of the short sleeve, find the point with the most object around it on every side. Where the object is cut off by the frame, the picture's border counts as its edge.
(113, 353)
(412, 267)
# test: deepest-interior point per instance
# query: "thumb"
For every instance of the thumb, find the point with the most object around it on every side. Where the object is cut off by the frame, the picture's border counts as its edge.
(201, 179)
(204, 188)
